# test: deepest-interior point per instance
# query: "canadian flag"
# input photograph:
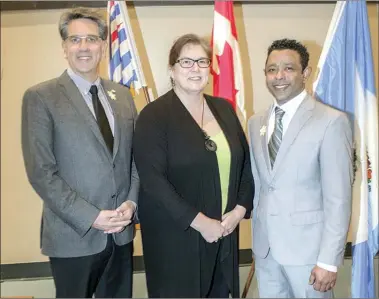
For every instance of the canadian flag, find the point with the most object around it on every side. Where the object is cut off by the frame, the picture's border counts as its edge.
(226, 59)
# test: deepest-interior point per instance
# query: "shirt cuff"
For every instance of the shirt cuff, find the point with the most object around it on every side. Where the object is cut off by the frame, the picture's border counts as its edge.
(327, 267)
(135, 205)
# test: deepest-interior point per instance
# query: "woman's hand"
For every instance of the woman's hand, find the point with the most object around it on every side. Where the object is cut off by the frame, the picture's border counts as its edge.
(231, 219)
(210, 229)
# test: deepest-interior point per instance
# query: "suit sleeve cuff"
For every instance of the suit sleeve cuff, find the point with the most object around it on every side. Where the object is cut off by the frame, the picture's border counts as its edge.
(135, 214)
(330, 268)
(134, 204)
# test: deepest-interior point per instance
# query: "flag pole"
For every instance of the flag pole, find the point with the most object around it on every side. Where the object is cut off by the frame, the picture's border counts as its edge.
(249, 279)
(146, 93)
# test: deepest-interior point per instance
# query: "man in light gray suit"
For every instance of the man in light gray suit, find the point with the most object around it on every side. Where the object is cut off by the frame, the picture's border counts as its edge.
(77, 135)
(301, 155)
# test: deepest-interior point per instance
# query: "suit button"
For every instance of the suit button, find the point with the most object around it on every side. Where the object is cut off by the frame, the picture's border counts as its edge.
(114, 196)
(114, 165)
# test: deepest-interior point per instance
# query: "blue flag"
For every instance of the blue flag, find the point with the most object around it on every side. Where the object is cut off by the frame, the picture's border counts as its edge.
(346, 81)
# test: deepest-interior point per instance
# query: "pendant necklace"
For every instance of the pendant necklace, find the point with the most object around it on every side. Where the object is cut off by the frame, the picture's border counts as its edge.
(210, 145)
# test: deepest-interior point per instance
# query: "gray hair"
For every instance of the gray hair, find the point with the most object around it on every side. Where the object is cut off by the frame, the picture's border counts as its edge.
(83, 13)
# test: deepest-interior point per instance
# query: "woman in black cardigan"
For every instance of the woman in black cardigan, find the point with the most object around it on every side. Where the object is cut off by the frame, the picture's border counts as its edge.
(196, 184)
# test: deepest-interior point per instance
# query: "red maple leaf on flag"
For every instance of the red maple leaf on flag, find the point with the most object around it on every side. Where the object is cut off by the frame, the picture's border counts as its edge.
(226, 65)
(224, 83)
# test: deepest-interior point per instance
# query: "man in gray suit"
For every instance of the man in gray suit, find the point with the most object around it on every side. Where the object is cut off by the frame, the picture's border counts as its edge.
(77, 133)
(301, 153)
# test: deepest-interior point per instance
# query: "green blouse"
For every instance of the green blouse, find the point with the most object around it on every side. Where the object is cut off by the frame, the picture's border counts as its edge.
(223, 159)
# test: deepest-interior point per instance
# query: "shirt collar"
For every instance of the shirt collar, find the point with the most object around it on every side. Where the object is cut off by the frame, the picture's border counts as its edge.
(82, 84)
(291, 106)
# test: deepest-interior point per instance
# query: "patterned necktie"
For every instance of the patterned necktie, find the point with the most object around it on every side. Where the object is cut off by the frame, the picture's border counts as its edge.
(102, 119)
(276, 137)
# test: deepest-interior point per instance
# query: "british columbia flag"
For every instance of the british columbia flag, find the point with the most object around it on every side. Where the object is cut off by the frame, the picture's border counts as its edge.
(124, 63)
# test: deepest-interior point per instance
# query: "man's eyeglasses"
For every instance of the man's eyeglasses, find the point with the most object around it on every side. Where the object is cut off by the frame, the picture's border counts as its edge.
(77, 39)
(188, 62)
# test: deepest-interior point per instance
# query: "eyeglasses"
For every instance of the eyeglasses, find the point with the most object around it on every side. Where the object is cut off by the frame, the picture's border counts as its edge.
(77, 39)
(188, 62)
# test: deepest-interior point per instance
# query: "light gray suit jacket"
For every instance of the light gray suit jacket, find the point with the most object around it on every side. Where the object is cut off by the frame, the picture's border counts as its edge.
(69, 166)
(302, 206)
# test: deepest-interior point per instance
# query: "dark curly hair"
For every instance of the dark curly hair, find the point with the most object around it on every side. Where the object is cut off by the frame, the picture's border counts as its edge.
(290, 44)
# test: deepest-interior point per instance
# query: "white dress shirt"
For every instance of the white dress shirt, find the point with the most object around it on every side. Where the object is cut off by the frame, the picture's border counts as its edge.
(290, 109)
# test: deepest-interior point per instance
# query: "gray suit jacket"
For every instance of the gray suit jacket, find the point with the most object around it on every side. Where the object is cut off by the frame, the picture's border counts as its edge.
(69, 166)
(302, 206)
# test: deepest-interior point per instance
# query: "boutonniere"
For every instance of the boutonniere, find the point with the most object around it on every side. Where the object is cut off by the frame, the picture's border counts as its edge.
(112, 94)
(262, 131)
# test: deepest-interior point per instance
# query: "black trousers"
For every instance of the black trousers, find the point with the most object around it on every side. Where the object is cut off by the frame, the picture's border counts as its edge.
(108, 274)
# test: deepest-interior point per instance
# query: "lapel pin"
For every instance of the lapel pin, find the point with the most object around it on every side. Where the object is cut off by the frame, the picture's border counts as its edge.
(112, 94)
(263, 130)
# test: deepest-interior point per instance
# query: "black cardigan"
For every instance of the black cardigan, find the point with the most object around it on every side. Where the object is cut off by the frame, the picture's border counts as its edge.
(179, 178)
